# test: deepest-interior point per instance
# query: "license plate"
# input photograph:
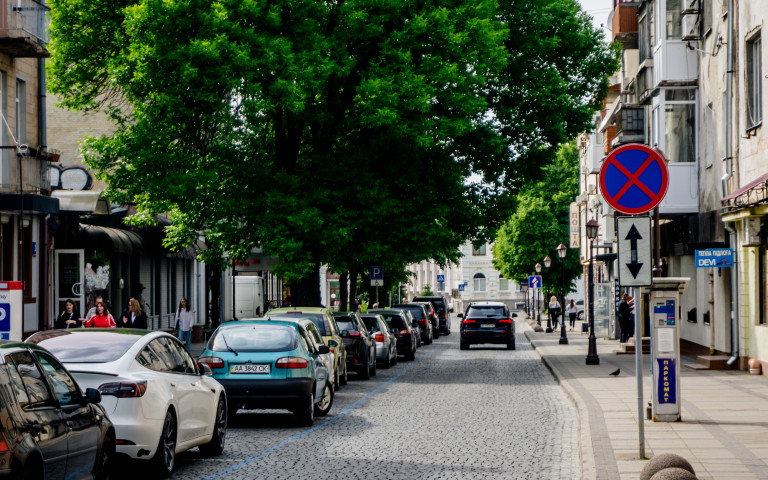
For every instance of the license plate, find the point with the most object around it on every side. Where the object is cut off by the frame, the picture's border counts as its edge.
(248, 368)
(487, 325)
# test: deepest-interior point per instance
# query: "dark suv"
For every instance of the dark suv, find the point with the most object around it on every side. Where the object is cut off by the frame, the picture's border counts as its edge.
(487, 322)
(420, 314)
(441, 307)
(360, 346)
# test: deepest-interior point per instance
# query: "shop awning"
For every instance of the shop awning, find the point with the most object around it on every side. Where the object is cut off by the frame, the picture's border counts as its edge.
(84, 201)
(750, 194)
(111, 240)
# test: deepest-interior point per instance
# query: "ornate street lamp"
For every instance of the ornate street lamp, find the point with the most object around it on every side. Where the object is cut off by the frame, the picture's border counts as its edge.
(562, 251)
(524, 287)
(538, 291)
(592, 358)
(547, 263)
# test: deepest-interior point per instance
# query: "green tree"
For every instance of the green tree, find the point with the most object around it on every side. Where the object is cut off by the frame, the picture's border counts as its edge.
(327, 132)
(540, 224)
(426, 290)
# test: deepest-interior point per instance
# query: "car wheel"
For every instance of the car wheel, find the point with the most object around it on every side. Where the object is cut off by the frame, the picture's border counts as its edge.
(463, 345)
(324, 405)
(364, 370)
(411, 355)
(581, 315)
(336, 380)
(373, 364)
(307, 415)
(106, 458)
(437, 332)
(165, 455)
(511, 344)
(343, 378)
(33, 470)
(216, 445)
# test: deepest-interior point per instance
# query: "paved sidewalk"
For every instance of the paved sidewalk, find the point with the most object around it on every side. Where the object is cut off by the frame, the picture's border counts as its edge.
(724, 427)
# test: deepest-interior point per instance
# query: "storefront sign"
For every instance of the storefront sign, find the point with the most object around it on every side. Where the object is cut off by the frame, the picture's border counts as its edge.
(667, 381)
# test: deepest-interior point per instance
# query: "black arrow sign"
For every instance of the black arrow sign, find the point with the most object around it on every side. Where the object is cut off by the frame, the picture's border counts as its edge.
(633, 236)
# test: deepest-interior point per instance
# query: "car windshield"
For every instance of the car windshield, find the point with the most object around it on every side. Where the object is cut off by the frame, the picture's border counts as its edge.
(86, 346)
(254, 338)
(486, 311)
(317, 318)
(371, 323)
(346, 324)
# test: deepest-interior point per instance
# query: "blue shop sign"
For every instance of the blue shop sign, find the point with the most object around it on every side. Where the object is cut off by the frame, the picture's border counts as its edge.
(714, 257)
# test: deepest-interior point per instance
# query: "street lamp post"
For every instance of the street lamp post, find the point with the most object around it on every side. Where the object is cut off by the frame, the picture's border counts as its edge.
(547, 263)
(538, 291)
(525, 291)
(562, 250)
(592, 358)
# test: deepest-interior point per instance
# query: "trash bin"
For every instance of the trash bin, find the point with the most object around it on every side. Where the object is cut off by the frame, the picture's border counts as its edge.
(584, 327)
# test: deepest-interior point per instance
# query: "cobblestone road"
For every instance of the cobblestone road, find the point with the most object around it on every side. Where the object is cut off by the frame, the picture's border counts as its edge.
(484, 413)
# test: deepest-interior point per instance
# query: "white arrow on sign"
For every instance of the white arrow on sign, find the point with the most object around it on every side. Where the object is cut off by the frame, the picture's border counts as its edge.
(635, 261)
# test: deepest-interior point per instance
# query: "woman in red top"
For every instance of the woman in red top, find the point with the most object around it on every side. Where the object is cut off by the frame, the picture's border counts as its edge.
(102, 319)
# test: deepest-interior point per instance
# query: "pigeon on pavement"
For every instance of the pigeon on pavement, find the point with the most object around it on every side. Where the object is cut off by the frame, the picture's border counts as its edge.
(616, 373)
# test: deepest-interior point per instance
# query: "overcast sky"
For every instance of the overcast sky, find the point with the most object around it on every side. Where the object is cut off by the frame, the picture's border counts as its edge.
(598, 10)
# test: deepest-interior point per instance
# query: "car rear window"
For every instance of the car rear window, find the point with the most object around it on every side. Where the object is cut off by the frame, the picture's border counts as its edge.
(417, 312)
(320, 320)
(371, 323)
(394, 320)
(437, 303)
(486, 311)
(346, 324)
(86, 346)
(254, 338)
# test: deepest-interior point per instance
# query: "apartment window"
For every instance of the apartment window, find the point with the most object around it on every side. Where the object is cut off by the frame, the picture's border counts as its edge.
(503, 283)
(680, 125)
(754, 82)
(478, 282)
(21, 111)
(674, 20)
(479, 250)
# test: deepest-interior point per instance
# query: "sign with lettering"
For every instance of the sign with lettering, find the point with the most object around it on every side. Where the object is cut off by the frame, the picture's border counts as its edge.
(714, 257)
(574, 226)
(667, 381)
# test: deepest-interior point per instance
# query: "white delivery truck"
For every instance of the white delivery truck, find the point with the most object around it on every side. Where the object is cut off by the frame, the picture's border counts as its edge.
(248, 298)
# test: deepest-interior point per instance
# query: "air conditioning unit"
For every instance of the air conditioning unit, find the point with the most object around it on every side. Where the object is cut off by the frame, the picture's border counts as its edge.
(690, 27)
(751, 231)
(690, 6)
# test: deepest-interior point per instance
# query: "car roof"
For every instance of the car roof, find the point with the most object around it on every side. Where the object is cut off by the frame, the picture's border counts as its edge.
(259, 321)
(429, 297)
(487, 304)
(294, 310)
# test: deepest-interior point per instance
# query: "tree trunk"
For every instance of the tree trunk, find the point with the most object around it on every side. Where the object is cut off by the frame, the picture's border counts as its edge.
(343, 292)
(306, 292)
(353, 272)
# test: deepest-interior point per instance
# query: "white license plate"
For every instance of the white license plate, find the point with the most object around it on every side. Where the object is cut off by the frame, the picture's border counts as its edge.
(248, 368)
(488, 325)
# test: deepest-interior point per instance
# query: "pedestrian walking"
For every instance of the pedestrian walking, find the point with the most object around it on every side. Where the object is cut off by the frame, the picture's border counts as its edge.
(102, 319)
(624, 312)
(134, 317)
(554, 309)
(69, 317)
(572, 312)
(184, 321)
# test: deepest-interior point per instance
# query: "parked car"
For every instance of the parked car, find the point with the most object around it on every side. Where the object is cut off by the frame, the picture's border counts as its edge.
(399, 322)
(442, 308)
(580, 309)
(361, 348)
(433, 320)
(159, 400)
(326, 325)
(386, 341)
(487, 322)
(419, 313)
(271, 364)
(36, 395)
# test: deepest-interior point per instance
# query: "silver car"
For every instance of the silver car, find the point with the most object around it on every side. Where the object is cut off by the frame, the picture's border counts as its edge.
(386, 342)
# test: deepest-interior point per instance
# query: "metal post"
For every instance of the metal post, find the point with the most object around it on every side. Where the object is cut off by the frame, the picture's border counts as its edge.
(563, 335)
(639, 374)
(592, 358)
(538, 307)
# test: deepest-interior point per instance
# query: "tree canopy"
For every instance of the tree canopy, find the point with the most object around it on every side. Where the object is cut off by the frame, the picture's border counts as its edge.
(348, 133)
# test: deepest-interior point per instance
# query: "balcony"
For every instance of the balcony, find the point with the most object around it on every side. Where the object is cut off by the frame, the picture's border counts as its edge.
(624, 23)
(24, 28)
(630, 125)
(35, 176)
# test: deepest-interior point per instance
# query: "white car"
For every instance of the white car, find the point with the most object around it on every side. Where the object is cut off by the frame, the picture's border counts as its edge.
(159, 400)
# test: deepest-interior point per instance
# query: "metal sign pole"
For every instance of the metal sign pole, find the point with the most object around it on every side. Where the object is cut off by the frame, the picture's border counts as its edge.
(639, 374)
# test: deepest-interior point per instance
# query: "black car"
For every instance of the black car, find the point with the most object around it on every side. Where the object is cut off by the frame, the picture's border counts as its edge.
(442, 309)
(420, 314)
(360, 346)
(49, 428)
(399, 325)
(487, 322)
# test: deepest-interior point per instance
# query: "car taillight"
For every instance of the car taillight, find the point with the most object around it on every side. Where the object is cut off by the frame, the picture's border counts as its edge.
(213, 362)
(468, 320)
(354, 334)
(505, 320)
(403, 332)
(124, 389)
(423, 320)
(379, 337)
(291, 362)
(3, 445)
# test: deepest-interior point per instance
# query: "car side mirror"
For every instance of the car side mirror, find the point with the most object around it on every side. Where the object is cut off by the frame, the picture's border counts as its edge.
(92, 395)
(394, 330)
(323, 349)
(461, 315)
(345, 333)
(333, 343)
(205, 369)
(450, 310)
(514, 315)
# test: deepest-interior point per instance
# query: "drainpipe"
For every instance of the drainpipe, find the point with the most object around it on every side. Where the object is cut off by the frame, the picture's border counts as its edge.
(724, 183)
(41, 121)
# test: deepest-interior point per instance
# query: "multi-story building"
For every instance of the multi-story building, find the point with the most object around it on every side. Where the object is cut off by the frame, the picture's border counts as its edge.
(690, 85)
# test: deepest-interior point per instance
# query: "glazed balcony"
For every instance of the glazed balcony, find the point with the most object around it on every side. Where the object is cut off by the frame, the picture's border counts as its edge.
(24, 28)
(624, 23)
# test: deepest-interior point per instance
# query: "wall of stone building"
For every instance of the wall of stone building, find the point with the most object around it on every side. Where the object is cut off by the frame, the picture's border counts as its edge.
(22, 69)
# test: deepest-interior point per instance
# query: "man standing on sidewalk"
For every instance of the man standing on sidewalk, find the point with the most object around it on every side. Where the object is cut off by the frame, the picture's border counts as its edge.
(624, 312)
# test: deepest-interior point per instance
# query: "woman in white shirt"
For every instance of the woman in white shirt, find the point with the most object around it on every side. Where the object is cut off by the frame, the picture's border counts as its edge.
(572, 311)
(184, 321)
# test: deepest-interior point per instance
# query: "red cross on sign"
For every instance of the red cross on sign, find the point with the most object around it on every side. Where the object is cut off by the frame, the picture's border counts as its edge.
(634, 179)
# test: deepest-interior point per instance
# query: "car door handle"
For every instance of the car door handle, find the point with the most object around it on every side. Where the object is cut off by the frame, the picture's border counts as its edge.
(70, 425)
(36, 429)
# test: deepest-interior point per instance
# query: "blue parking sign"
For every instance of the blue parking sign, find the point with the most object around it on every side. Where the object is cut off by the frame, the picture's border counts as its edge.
(5, 317)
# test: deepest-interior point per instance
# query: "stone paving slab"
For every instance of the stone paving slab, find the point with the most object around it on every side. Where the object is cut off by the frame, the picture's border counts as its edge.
(724, 428)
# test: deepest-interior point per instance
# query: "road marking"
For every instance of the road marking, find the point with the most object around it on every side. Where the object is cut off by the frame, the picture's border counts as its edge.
(316, 427)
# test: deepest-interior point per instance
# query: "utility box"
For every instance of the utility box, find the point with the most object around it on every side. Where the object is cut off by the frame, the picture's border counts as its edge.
(665, 342)
(11, 303)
